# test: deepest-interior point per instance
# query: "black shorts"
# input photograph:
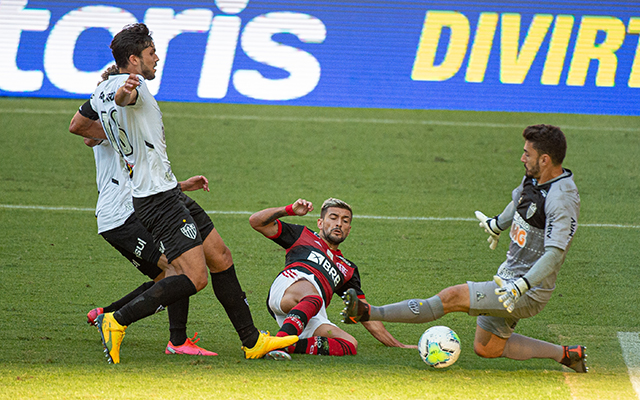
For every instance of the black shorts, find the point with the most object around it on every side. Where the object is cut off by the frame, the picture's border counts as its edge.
(135, 242)
(176, 221)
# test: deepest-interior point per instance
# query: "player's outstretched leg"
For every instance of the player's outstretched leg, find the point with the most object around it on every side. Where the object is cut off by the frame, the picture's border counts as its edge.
(575, 357)
(267, 343)
(354, 310)
(111, 333)
(189, 347)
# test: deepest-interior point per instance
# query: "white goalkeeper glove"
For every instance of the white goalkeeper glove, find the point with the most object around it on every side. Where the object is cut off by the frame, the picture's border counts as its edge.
(510, 292)
(490, 225)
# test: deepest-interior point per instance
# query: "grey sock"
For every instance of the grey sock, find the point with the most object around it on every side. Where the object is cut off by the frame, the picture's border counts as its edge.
(413, 311)
(520, 347)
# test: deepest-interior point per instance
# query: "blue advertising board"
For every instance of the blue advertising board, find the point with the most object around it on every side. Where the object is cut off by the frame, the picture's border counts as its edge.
(547, 56)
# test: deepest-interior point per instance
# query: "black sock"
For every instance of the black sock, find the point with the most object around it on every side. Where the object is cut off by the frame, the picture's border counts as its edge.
(229, 293)
(118, 304)
(164, 292)
(178, 315)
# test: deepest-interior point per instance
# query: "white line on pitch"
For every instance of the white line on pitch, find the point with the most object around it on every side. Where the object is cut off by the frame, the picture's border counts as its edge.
(380, 217)
(337, 120)
(630, 343)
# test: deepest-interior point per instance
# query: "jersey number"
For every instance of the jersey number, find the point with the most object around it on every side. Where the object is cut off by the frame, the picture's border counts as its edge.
(110, 124)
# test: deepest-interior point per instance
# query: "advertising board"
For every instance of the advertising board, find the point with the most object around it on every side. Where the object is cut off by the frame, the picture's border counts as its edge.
(547, 56)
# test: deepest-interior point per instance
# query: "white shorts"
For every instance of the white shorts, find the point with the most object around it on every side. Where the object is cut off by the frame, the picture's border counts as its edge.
(280, 285)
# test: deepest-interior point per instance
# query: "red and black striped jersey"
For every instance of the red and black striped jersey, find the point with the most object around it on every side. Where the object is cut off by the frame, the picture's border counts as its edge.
(307, 252)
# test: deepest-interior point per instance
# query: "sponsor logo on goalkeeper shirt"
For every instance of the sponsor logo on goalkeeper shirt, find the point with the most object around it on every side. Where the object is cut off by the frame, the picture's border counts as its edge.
(519, 230)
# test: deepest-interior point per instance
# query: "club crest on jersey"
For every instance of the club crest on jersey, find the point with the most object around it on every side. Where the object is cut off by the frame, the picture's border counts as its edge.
(533, 207)
(189, 230)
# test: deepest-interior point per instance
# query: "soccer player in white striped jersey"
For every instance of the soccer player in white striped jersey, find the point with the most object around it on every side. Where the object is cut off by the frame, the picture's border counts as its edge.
(132, 121)
(119, 226)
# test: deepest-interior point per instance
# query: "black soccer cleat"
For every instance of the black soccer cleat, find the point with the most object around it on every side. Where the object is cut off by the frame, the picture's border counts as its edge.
(354, 310)
(575, 357)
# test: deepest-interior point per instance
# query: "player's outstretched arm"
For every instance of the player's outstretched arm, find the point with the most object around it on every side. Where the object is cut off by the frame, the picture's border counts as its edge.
(265, 221)
(490, 226)
(128, 93)
(378, 331)
(195, 183)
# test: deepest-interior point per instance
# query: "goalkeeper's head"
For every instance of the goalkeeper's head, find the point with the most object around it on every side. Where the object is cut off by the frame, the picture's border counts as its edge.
(547, 139)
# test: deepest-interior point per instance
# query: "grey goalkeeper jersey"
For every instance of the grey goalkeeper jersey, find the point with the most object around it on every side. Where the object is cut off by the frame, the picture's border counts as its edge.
(546, 216)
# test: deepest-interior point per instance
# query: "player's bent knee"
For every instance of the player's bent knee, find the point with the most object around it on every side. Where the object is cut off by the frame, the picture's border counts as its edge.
(199, 279)
(219, 259)
(485, 351)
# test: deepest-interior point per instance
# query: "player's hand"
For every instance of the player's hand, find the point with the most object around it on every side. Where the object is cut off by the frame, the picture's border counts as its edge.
(195, 183)
(302, 207)
(510, 292)
(127, 93)
(131, 83)
(490, 225)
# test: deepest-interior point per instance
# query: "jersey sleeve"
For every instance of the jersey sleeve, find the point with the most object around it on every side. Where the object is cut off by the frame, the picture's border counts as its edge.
(562, 208)
(287, 234)
(353, 283)
(517, 192)
(87, 111)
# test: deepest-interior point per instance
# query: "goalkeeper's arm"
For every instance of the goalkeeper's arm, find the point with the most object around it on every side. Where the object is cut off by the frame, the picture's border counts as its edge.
(509, 292)
(550, 262)
(506, 216)
(494, 226)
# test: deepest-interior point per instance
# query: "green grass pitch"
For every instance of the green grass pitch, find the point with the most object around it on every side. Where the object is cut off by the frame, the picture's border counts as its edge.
(427, 171)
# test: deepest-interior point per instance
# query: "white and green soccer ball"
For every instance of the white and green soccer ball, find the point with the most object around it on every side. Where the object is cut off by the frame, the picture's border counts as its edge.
(439, 346)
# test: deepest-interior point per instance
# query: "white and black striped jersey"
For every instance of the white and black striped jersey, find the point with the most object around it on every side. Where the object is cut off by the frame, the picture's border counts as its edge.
(137, 133)
(114, 204)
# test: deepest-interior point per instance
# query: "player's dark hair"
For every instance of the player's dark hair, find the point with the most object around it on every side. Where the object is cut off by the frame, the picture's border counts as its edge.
(112, 70)
(547, 139)
(332, 202)
(131, 40)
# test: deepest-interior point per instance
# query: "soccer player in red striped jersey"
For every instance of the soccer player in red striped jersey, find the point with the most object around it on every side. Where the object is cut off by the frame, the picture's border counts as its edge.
(314, 270)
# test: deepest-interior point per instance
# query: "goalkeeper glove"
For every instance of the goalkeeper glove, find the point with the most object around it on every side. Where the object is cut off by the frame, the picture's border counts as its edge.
(490, 225)
(510, 292)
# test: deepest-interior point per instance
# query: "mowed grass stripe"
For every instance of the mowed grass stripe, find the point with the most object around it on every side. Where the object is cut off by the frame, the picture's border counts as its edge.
(380, 121)
(382, 217)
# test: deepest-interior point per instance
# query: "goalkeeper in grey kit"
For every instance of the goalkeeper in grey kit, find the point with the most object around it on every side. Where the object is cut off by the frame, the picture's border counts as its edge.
(543, 218)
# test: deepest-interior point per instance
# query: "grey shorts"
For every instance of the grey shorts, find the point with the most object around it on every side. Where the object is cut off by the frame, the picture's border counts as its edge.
(492, 316)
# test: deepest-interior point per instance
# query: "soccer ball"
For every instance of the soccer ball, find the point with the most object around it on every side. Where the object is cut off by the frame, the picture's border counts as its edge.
(439, 346)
